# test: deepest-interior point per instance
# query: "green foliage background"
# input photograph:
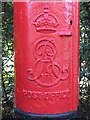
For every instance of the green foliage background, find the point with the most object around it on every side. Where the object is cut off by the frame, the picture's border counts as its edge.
(8, 59)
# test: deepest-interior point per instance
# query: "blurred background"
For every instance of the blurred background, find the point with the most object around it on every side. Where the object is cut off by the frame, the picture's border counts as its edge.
(7, 75)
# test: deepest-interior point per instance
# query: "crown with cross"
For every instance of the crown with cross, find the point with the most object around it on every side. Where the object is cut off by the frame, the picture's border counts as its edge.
(46, 22)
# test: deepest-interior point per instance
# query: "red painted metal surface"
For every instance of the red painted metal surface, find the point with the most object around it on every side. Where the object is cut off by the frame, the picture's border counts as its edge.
(46, 39)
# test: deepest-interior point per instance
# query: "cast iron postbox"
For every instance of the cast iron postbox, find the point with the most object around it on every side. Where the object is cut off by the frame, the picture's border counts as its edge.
(46, 58)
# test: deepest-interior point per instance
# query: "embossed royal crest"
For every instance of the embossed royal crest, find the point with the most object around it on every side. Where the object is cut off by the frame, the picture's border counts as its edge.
(46, 72)
(46, 22)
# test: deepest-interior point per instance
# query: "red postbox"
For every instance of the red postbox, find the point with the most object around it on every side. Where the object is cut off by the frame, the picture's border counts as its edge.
(46, 39)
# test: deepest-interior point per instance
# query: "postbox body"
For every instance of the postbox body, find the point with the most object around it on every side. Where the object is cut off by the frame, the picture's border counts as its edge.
(46, 41)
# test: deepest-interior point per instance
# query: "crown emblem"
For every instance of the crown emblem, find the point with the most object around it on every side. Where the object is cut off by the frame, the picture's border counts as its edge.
(46, 22)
